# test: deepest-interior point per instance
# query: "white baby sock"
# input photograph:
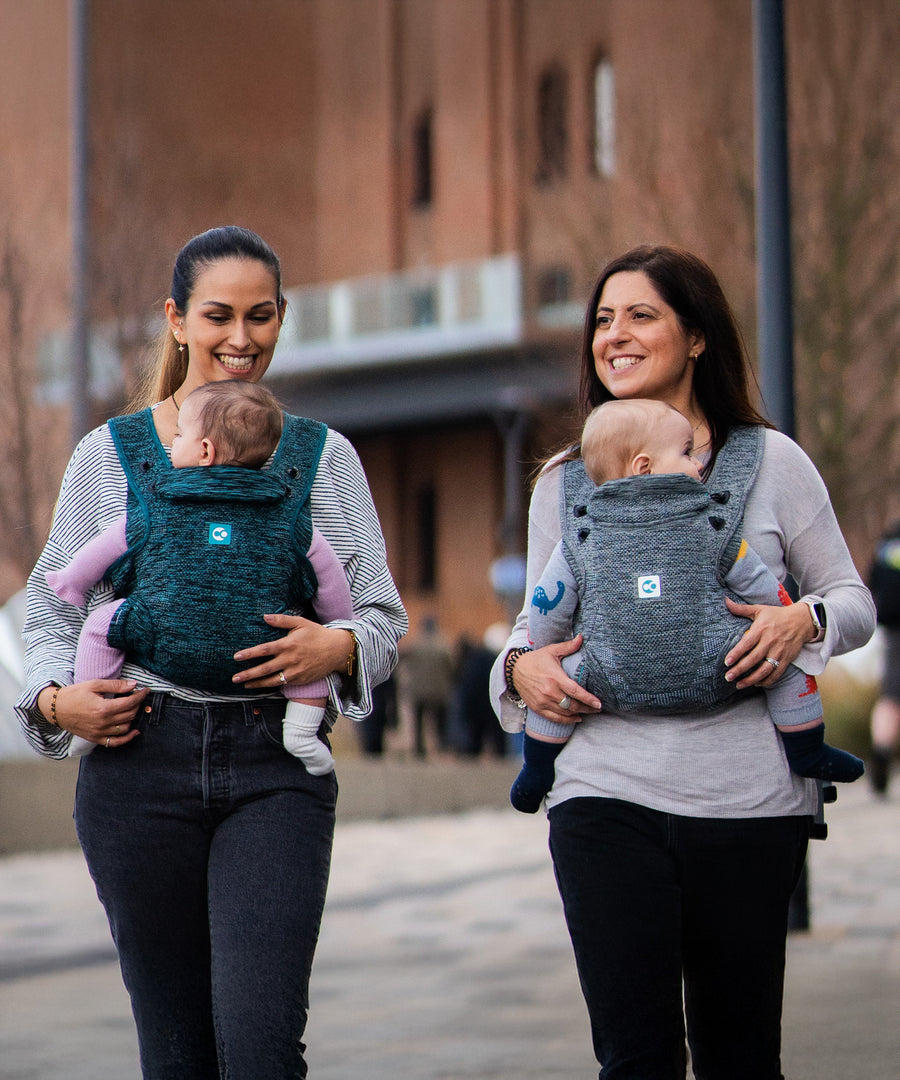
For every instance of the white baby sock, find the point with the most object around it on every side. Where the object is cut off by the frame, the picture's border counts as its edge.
(301, 726)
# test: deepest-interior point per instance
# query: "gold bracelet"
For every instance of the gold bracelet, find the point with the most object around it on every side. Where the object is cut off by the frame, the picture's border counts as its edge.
(54, 720)
(351, 658)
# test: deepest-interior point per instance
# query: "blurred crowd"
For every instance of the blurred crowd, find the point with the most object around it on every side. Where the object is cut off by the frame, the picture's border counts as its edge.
(437, 700)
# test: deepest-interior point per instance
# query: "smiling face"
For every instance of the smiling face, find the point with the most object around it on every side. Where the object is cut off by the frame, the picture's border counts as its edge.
(231, 322)
(640, 348)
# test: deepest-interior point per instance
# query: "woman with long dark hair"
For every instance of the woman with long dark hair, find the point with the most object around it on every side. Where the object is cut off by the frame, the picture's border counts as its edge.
(677, 840)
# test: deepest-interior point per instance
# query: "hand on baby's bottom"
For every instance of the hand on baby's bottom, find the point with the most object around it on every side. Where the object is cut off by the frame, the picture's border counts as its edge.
(537, 775)
(300, 736)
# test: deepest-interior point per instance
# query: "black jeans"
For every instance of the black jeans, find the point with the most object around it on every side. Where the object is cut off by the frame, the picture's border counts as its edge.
(210, 846)
(673, 917)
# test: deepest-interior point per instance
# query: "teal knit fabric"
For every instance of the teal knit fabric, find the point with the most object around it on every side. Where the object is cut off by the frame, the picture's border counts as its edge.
(649, 555)
(210, 551)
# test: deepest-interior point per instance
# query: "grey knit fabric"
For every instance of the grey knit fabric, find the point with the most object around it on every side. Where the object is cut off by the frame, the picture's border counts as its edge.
(210, 551)
(653, 560)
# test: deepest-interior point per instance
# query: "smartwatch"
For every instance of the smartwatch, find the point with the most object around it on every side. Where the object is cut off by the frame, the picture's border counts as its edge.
(819, 618)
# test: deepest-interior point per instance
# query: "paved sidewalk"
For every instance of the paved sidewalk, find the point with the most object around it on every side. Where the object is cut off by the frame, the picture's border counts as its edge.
(444, 955)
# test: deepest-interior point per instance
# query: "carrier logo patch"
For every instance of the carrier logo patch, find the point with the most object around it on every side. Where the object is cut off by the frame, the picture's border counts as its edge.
(649, 587)
(219, 533)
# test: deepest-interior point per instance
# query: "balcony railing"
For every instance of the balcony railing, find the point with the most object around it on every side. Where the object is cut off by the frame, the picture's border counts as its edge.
(418, 314)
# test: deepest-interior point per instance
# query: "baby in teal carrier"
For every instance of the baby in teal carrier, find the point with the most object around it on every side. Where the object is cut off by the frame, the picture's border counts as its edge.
(211, 542)
(647, 557)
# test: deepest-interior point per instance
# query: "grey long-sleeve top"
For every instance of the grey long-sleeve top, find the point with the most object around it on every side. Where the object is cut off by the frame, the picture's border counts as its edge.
(93, 493)
(729, 763)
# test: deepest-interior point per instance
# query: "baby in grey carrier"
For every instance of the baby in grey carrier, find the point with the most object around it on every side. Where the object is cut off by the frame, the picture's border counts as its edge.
(647, 557)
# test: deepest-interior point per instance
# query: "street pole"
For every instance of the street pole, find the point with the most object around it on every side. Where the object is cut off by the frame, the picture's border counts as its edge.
(774, 292)
(774, 299)
(79, 388)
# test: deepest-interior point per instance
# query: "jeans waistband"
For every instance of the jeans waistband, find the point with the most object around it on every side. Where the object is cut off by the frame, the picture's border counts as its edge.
(247, 711)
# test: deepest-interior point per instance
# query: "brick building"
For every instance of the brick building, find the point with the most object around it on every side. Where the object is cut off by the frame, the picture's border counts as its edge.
(442, 180)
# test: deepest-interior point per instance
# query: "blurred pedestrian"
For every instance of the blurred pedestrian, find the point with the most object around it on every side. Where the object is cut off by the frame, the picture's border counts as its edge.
(381, 719)
(209, 843)
(425, 682)
(472, 717)
(885, 719)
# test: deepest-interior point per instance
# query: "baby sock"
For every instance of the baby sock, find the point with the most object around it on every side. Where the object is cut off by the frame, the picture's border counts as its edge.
(809, 755)
(95, 659)
(537, 775)
(79, 747)
(300, 733)
(66, 589)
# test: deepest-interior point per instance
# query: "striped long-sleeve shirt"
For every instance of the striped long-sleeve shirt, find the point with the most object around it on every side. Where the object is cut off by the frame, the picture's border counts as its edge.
(94, 492)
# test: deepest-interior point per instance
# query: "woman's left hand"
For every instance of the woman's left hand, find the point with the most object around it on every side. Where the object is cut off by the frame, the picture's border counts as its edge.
(777, 633)
(307, 652)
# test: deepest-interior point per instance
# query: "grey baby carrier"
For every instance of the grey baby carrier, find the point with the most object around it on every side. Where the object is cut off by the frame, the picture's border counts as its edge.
(652, 553)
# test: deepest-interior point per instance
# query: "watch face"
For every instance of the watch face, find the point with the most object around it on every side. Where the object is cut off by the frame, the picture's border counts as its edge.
(819, 615)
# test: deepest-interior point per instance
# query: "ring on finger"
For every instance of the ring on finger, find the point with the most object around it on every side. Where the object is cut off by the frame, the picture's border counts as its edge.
(107, 741)
(281, 676)
(565, 703)
(776, 664)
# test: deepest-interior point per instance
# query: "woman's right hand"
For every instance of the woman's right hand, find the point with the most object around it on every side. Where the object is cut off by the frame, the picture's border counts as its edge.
(542, 684)
(85, 709)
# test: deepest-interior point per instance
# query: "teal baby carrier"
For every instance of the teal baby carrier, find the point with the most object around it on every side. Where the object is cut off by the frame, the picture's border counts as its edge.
(651, 553)
(210, 551)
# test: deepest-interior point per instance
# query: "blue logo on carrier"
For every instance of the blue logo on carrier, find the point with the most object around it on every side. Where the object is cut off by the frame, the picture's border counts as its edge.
(649, 587)
(219, 533)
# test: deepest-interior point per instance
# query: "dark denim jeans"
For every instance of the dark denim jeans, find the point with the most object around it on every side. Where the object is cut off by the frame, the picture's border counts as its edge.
(210, 848)
(673, 917)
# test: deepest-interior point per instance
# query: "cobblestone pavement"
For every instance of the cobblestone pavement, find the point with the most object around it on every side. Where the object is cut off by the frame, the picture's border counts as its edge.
(444, 955)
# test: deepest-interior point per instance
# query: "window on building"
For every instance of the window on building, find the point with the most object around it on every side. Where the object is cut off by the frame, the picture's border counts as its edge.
(422, 186)
(426, 534)
(553, 133)
(423, 307)
(554, 286)
(604, 113)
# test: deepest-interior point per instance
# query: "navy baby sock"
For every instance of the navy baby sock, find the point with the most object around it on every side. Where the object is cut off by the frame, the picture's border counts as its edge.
(537, 775)
(809, 755)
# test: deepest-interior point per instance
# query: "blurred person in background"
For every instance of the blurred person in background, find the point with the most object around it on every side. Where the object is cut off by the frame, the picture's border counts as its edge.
(425, 682)
(472, 721)
(884, 724)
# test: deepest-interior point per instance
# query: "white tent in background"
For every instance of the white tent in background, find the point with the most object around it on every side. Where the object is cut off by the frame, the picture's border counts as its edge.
(12, 677)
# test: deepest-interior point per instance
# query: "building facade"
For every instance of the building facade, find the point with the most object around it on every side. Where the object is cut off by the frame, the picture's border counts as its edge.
(442, 179)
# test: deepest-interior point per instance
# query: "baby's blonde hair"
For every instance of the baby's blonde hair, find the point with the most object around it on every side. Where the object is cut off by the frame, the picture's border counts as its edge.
(615, 432)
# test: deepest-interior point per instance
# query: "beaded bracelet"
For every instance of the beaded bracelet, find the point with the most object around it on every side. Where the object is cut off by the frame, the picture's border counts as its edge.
(509, 666)
(54, 720)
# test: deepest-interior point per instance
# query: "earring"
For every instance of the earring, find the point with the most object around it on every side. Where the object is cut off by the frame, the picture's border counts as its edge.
(180, 347)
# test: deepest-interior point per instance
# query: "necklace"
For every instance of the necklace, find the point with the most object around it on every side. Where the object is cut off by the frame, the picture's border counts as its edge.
(696, 428)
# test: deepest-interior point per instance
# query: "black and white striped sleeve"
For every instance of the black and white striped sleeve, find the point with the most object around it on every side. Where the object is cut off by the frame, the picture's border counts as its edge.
(93, 493)
(343, 510)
